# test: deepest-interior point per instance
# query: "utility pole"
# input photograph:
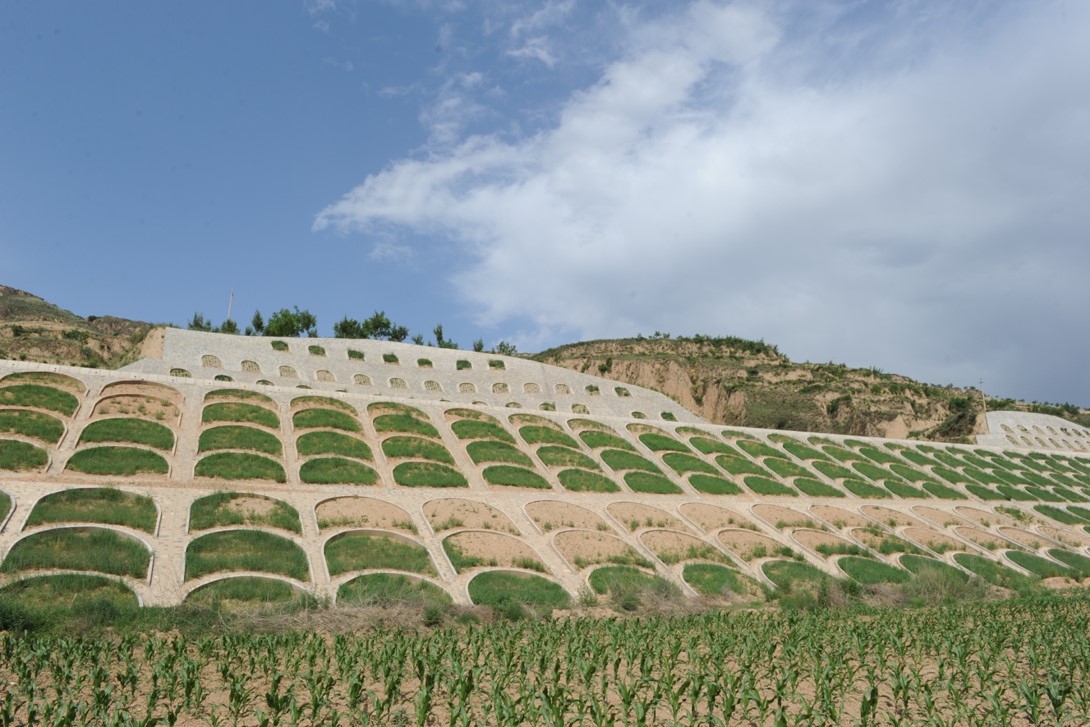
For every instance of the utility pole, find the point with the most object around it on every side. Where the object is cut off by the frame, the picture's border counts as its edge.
(984, 406)
(230, 305)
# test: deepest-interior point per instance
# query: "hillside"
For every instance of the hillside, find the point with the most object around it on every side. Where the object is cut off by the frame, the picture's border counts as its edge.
(748, 383)
(33, 329)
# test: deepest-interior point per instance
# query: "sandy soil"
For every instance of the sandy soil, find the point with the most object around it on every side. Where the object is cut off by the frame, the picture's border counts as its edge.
(982, 538)
(933, 539)
(872, 541)
(316, 401)
(59, 381)
(495, 549)
(140, 407)
(712, 517)
(458, 414)
(779, 516)
(673, 546)
(884, 515)
(839, 517)
(587, 547)
(1033, 541)
(363, 512)
(522, 420)
(452, 512)
(583, 425)
(743, 543)
(983, 517)
(251, 506)
(152, 347)
(157, 391)
(644, 516)
(939, 517)
(1068, 536)
(551, 514)
(813, 538)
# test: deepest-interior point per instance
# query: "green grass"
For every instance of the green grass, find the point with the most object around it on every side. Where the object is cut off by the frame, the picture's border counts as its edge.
(866, 490)
(472, 429)
(315, 350)
(984, 492)
(738, 465)
(870, 471)
(47, 596)
(943, 492)
(1077, 562)
(758, 449)
(405, 424)
(834, 471)
(842, 455)
(279, 345)
(546, 435)
(406, 447)
(901, 488)
(1059, 514)
(909, 473)
(992, 572)
(662, 443)
(323, 402)
(508, 476)
(786, 468)
(230, 411)
(803, 452)
(89, 549)
(44, 377)
(509, 592)
(1013, 493)
(488, 451)
(621, 461)
(243, 394)
(712, 446)
(336, 471)
(119, 461)
(462, 561)
(788, 574)
(245, 550)
(628, 588)
(32, 424)
(326, 419)
(98, 504)
(231, 436)
(599, 440)
(332, 443)
(713, 485)
(363, 551)
(39, 397)
(917, 564)
(391, 589)
(16, 455)
(355, 355)
(651, 483)
(495, 363)
(5, 505)
(583, 481)
(870, 572)
(217, 510)
(240, 466)
(248, 590)
(428, 474)
(816, 488)
(878, 455)
(712, 580)
(683, 463)
(1042, 494)
(765, 486)
(1039, 566)
(556, 456)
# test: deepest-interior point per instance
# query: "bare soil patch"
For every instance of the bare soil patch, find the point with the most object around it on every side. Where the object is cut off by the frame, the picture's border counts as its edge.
(672, 547)
(887, 515)
(986, 518)
(982, 538)
(452, 512)
(1033, 541)
(940, 517)
(581, 546)
(551, 514)
(363, 512)
(635, 515)
(747, 544)
(813, 538)
(839, 517)
(933, 539)
(712, 517)
(139, 406)
(495, 549)
(779, 516)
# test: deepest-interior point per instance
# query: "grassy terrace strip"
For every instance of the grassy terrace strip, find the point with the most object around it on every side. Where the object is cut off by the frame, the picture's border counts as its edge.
(870, 572)
(428, 474)
(405, 424)
(993, 572)
(556, 456)
(651, 483)
(312, 443)
(584, 481)
(919, 564)
(336, 471)
(598, 440)
(244, 550)
(117, 461)
(96, 505)
(471, 429)
(5, 505)
(239, 394)
(391, 589)
(712, 580)
(622, 461)
(816, 488)
(1077, 562)
(534, 434)
(32, 424)
(739, 465)
(326, 419)
(237, 437)
(508, 476)
(44, 377)
(240, 466)
(867, 491)
(684, 463)
(662, 443)
(16, 456)
(39, 397)
(712, 485)
(323, 402)
(628, 588)
(365, 551)
(224, 509)
(86, 549)
(712, 446)
(240, 412)
(247, 590)
(134, 431)
(765, 486)
(487, 451)
(499, 590)
(416, 448)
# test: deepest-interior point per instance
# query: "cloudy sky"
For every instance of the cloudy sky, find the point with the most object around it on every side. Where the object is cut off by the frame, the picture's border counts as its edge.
(902, 184)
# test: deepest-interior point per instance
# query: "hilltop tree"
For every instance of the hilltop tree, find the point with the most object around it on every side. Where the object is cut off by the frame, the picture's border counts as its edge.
(378, 326)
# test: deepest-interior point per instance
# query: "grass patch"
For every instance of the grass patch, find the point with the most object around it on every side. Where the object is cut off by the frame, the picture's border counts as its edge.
(629, 588)
(870, 572)
(241, 394)
(326, 419)
(89, 549)
(683, 463)
(336, 471)
(1077, 562)
(315, 350)
(1038, 566)
(1013, 493)
(355, 355)
(119, 461)
(508, 476)
(489, 451)
(556, 456)
(943, 492)
(584, 481)
(67, 604)
(332, 443)
(786, 468)
(1059, 514)
(5, 505)
(816, 488)
(39, 397)
(405, 424)
(424, 363)
(598, 440)
(903, 489)
(240, 412)
(416, 448)
(219, 510)
(834, 471)
(739, 465)
(462, 364)
(32, 424)
(390, 358)
(662, 443)
(512, 594)
(984, 492)
(546, 435)
(789, 575)
(323, 402)
(472, 429)
(231, 436)
(993, 572)
(16, 456)
(495, 363)
(765, 486)
(240, 466)
(651, 483)
(712, 446)
(910, 474)
(621, 461)
(866, 490)
(363, 551)
(712, 580)
(135, 431)
(920, 564)
(803, 452)
(279, 345)
(758, 449)
(428, 474)
(245, 550)
(220, 594)
(390, 590)
(713, 485)
(45, 377)
(99, 504)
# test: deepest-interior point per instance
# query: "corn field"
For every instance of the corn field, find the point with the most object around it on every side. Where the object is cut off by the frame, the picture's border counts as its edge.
(1015, 662)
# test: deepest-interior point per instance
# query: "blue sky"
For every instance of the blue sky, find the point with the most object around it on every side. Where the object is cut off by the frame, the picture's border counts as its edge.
(899, 184)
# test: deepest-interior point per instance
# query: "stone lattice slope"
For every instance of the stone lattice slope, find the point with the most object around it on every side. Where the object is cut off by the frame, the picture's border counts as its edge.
(325, 464)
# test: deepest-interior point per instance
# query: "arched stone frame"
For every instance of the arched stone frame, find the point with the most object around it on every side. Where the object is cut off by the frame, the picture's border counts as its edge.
(209, 361)
(431, 385)
(397, 383)
(325, 375)
(361, 380)
(531, 388)
(500, 388)
(139, 536)
(562, 389)
(288, 372)
(251, 367)
(467, 388)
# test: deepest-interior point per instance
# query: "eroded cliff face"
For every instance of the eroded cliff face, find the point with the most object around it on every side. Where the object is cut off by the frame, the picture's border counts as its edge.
(764, 389)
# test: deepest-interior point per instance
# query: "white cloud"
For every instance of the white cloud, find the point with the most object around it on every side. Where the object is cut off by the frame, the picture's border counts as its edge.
(741, 171)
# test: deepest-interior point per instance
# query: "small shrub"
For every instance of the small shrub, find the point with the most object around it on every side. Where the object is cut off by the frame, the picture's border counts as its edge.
(495, 363)
(355, 355)
(279, 345)
(316, 350)
(389, 358)
(462, 364)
